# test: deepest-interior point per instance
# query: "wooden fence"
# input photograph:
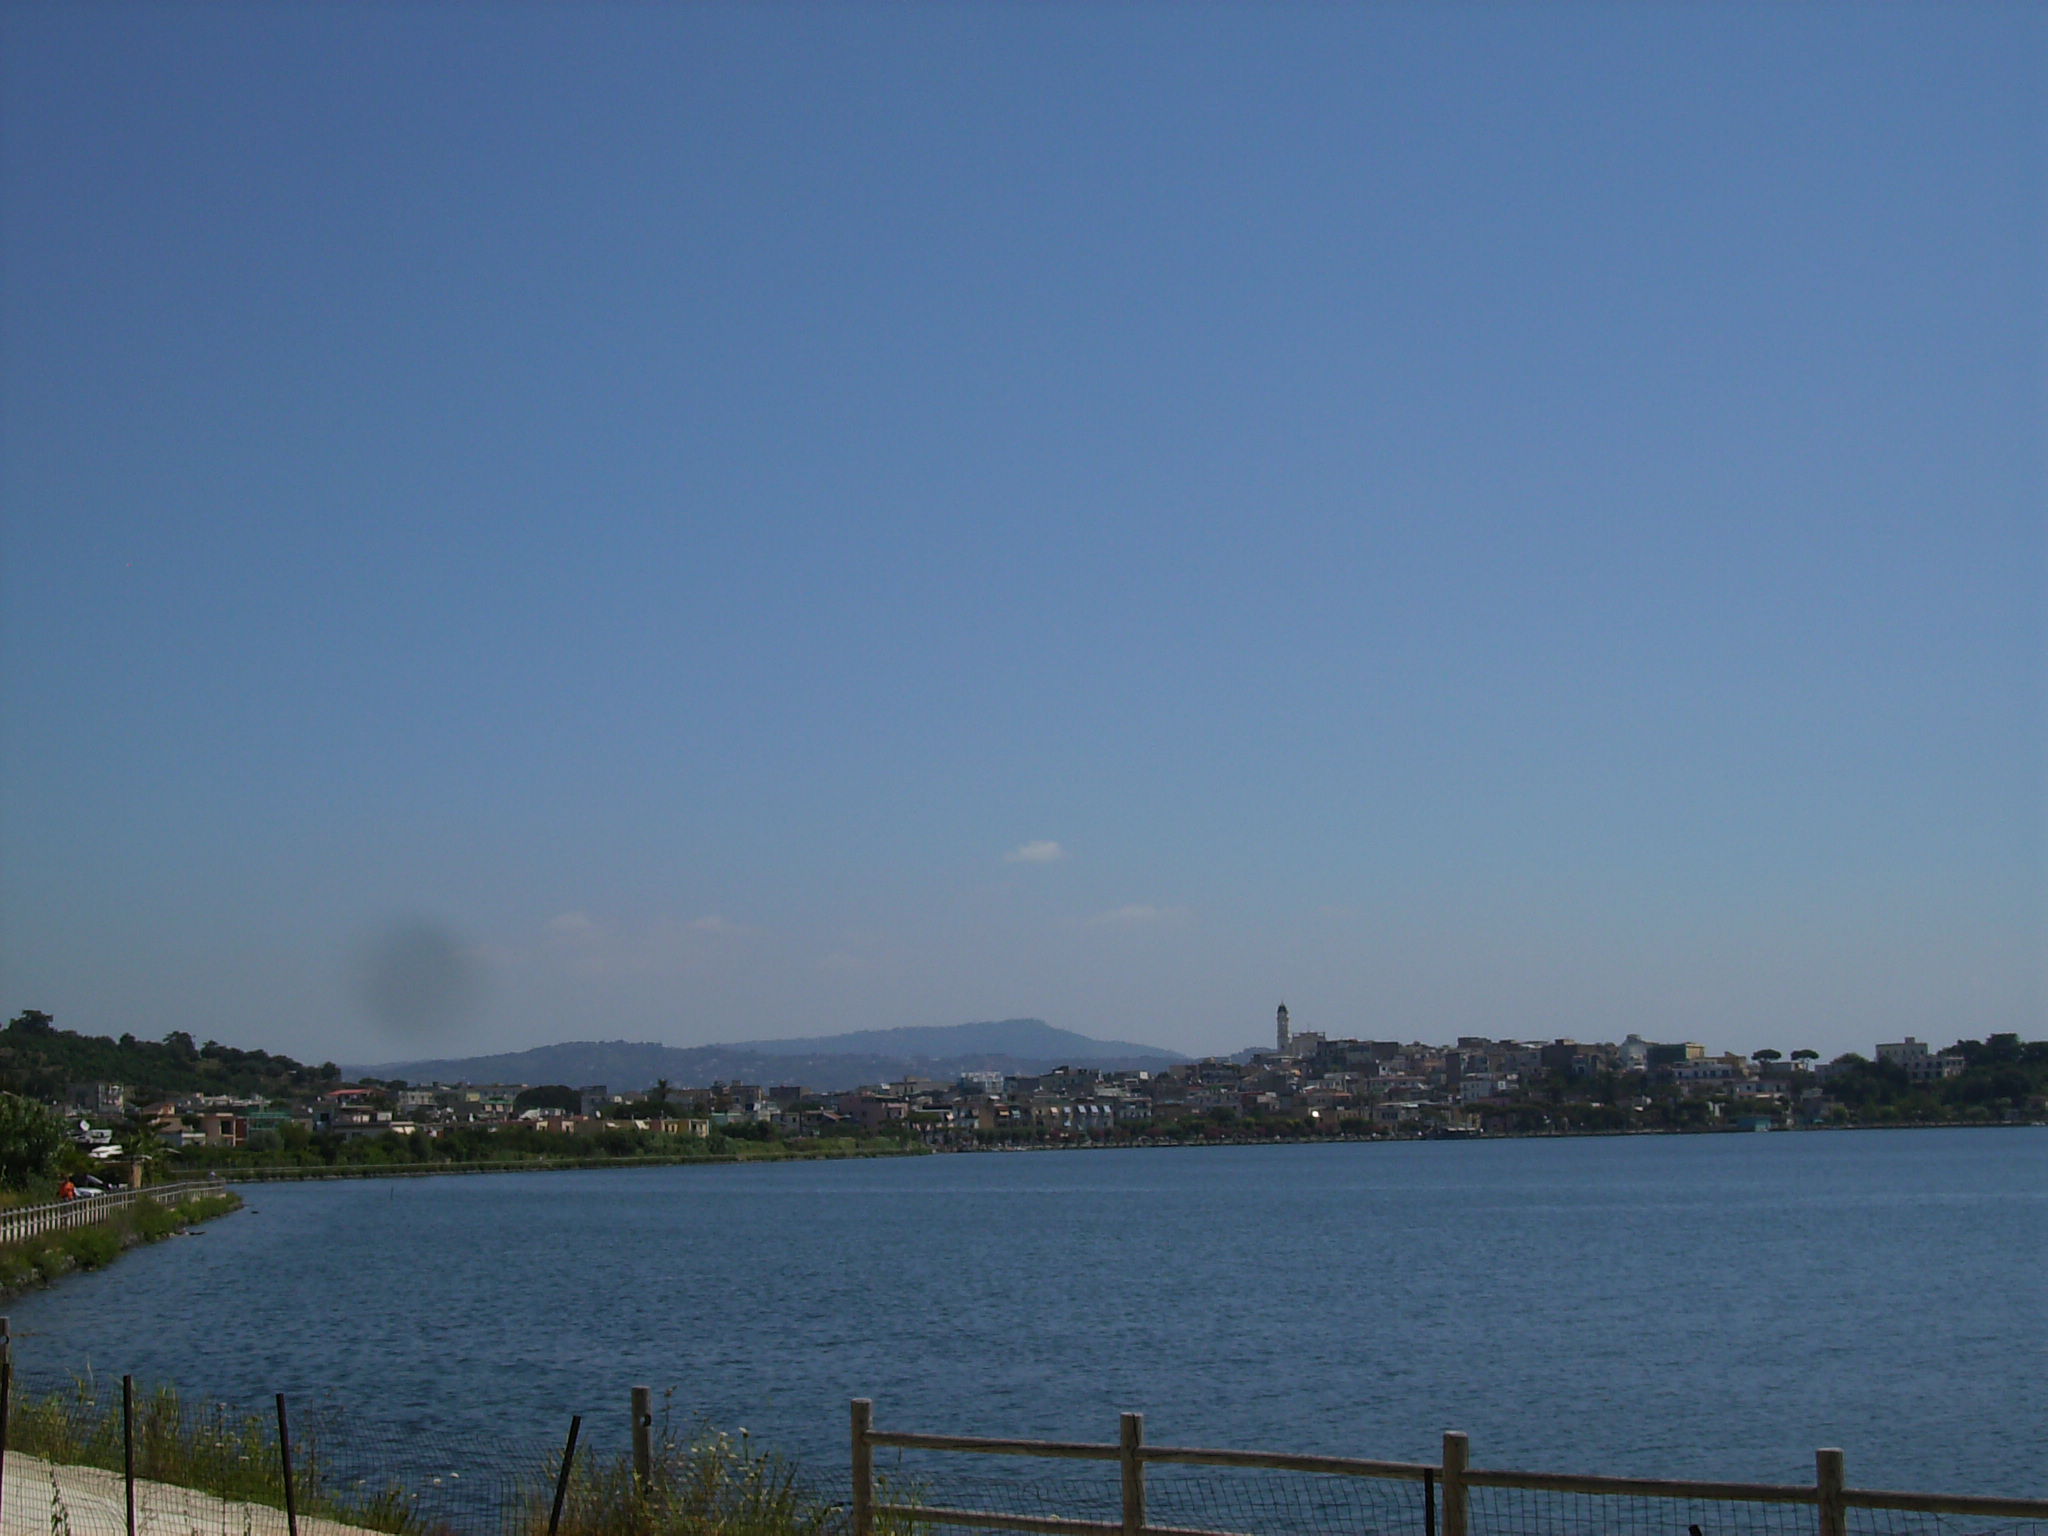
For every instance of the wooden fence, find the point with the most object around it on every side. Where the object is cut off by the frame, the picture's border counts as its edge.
(1829, 1495)
(30, 1220)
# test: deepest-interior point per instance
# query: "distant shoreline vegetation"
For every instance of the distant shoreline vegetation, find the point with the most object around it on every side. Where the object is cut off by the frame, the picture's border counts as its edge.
(43, 1258)
(367, 1160)
(394, 1157)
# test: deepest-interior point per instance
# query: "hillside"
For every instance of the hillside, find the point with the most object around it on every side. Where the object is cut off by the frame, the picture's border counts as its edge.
(40, 1060)
(828, 1062)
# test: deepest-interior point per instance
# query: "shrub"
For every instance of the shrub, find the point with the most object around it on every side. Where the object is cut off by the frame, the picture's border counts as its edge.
(31, 1140)
(712, 1484)
(91, 1247)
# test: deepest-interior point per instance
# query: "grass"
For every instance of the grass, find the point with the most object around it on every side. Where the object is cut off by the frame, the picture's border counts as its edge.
(713, 1486)
(40, 1259)
(212, 1449)
(710, 1484)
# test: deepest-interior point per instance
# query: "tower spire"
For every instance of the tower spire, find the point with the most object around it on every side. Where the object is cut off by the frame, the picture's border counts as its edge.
(1284, 1034)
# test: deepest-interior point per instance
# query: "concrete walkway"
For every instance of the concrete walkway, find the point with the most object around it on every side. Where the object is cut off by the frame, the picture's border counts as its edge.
(41, 1499)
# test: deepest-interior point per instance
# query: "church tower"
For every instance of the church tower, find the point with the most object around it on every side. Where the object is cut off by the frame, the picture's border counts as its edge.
(1286, 1035)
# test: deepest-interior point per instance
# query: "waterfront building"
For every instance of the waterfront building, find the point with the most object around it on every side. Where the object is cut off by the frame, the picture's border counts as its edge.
(1920, 1064)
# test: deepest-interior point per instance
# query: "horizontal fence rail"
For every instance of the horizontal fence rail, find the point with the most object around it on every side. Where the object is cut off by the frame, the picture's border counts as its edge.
(1448, 1512)
(83, 1461)
(1280, 1461)
(32, 1220)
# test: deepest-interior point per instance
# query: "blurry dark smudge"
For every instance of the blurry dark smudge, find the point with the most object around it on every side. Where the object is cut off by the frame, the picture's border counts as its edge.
(416, 978)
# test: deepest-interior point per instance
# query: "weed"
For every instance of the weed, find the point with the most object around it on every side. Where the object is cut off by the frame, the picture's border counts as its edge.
(215, 1450)
(42, 1258)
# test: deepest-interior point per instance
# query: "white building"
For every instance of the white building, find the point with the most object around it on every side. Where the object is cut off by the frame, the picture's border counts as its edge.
(1920, 1064)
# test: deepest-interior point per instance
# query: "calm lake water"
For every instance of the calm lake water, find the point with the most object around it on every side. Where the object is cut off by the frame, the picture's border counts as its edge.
(1710, 1306)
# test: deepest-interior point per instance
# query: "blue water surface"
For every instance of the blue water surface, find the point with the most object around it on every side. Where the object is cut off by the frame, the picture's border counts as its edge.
(1712, 1306)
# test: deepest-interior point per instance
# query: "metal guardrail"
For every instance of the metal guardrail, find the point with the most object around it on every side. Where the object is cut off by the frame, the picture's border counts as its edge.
(1829, 1493)
(32, 1220)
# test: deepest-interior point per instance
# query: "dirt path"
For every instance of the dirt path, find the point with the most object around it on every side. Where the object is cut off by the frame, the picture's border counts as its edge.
(46, 1500)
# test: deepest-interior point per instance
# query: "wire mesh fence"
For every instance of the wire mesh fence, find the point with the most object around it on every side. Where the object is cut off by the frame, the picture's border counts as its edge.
(1898, 1522)
(198, 1467)
(1532, 1512)
(1245, 1501)
(1544, 1512)
(112, 1457)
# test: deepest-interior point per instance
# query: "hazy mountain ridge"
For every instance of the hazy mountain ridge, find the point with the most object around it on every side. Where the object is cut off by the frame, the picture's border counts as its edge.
(828, 1062)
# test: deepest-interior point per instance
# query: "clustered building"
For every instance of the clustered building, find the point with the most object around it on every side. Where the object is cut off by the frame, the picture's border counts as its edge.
(1315, 1083)
(1331, 1085)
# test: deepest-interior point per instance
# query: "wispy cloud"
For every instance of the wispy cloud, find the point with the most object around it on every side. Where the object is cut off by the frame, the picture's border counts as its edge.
(1043, 852)
(868, 956)
(724, 927)
(1139, 915)
(600, 946)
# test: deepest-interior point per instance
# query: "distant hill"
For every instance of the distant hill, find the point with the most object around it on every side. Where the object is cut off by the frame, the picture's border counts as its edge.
(825, 1062)
(39, 1059)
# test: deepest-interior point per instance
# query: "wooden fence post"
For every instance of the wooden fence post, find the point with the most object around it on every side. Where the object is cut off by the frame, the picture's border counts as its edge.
(1130, 1442)
(1830, 1482)
(1457, 1457)
(643, 1439)
(562, 1477)
(863, 1468)
(6, 1396)
(284, 1465)
(128, 1446)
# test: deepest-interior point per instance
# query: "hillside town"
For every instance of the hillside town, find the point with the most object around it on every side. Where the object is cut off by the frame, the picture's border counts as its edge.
(1306, 1084)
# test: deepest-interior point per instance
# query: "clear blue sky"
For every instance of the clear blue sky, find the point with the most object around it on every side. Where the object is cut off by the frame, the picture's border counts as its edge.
(697, 523)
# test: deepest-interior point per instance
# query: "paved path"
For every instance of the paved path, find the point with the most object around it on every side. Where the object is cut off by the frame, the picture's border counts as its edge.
(46, 1500)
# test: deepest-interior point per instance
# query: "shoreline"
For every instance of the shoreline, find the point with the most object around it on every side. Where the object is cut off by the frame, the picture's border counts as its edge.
(292, 1174)
(288, 1175)
(39, 1262)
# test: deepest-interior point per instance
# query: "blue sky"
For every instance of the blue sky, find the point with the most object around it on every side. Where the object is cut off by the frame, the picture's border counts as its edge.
(698, 523)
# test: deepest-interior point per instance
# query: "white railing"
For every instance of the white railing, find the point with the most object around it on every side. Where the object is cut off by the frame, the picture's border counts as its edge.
(33, 1220)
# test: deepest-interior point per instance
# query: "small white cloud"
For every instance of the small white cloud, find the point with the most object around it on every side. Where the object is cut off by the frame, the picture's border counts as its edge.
(711, 922)
(1138, 915)
(1043, 852)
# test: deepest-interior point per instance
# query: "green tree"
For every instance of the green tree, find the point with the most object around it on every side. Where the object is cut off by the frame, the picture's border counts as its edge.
(31, 1140)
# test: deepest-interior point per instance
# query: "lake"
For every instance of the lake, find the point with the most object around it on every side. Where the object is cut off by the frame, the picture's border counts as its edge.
(1712, 1306)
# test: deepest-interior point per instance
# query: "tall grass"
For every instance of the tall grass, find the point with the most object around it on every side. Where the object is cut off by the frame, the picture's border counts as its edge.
(710, 1483)
(210, 1448)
